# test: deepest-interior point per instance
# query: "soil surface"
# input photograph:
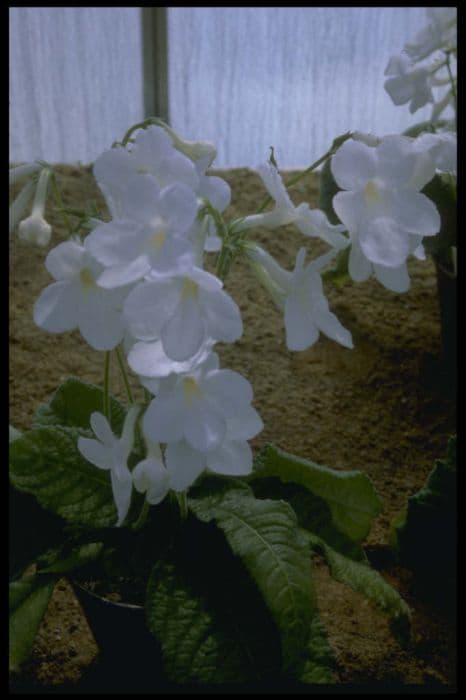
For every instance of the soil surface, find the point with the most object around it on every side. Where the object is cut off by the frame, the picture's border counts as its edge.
(383, 408)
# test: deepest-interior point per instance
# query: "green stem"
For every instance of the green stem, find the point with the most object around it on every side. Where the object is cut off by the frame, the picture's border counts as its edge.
(142, 517)
(224, 261)
(60, 203)
(106, 396)
(124, 374)
(183, 504)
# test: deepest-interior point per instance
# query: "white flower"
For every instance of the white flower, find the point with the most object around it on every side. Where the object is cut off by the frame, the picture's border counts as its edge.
(111, 453)
(300, 295)
(75, 300)
(195, 406)
(408, 84)
(151, 235)
(442, 148)
(382, 208)
(151, 153)
(182, 310)
(440, 33)
(233, 457)
(311, 222)
(19, 205)
(150, 362)
(35, 228)
(150, 475)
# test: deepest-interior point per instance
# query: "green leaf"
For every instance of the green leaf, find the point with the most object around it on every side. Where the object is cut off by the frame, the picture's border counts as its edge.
(425, 533)
(319, 667)
(350, 495)
(14, 434)
(328, 189)
(78, 556)
(313, 514)
(47, 464)
(362, 578)
(72, 405)
(207, 613)
(265, 535)
(28, 601)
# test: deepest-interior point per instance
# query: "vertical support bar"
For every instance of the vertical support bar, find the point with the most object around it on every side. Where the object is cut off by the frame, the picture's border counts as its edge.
(155, 62)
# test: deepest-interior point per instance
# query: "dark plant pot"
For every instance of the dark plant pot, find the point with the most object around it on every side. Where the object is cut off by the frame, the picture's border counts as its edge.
(129, 656)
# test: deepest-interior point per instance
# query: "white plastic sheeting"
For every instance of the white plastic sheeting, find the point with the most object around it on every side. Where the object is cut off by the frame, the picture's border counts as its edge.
(245, 78)
(75, 80)
(290, 77)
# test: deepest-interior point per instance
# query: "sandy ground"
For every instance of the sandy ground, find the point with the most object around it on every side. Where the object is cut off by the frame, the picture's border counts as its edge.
(382, 408)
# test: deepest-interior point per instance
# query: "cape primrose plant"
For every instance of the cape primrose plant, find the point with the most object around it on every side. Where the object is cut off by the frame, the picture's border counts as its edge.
(165, 492)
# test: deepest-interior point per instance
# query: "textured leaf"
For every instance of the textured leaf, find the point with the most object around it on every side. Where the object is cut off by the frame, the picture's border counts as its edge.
(207, 614)
(350, 495)
(319, 667)
(265, 535)
(313, 514)
(72, 405)
(425, 534)
(365, 580)
(28, 603)
(47, 464)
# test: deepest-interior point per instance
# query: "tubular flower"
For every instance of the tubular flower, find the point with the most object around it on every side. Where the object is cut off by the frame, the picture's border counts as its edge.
(311, 222)
(299, 294)
(150, 475)
(408, 83)
(35, 229)
(111, 453)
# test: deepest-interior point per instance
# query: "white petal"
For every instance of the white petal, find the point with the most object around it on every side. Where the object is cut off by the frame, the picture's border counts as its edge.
(244, 426)
(353, 165)
(204, 428)
(415, 213)
(232, 458)
(113, 168)
(95, 453)
(351, 209)
(151, 145)
(149, 305)
(178, 169)
(178, 206)
(394, 278)
(359, 267)
(383, 242)
(102, 429)
(184, 465)
(217, 191)
(100, 324)
(164, 419)
(222, 316)
(151, 477)
(56, 308)
(124, 274)
(329, 324)
(230, 391)
(274, 184)
(141, 199)
(313, 222)
(117, 242)
(122, 488)
(182, 335)
(301, 331)
(65, 261)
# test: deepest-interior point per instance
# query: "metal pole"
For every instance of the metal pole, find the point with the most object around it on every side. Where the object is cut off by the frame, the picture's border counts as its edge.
(155, 62)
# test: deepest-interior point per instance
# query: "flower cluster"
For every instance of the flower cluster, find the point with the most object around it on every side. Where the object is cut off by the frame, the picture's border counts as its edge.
(139, 280)
(412, 79)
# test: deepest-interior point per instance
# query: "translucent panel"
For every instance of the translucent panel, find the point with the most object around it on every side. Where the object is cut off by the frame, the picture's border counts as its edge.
(76, 80)
(248, 78)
